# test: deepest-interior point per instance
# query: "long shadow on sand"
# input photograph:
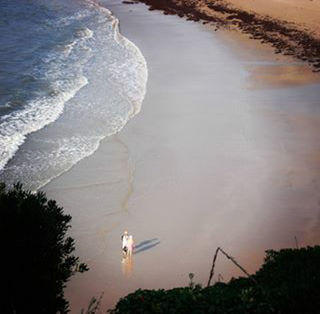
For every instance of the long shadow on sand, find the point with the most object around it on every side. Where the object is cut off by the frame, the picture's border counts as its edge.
(145, 245)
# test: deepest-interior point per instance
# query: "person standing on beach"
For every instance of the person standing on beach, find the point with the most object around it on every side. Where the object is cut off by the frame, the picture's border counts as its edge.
(130, 245)
(124, 239)
(127, 259)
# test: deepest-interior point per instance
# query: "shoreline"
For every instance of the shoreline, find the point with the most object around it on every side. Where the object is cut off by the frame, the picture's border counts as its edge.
(286, 37)
(202, 151)
(29, 157)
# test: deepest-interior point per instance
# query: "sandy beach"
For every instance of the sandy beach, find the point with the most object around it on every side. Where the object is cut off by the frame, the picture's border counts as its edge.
(209, 161)
(289, 27)
(304, 14)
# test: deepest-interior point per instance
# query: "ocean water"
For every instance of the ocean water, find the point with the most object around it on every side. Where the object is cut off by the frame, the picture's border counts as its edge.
(68, 79)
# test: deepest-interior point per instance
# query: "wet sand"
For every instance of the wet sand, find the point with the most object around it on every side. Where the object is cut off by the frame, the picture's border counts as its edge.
(207, 162)
(266, 69)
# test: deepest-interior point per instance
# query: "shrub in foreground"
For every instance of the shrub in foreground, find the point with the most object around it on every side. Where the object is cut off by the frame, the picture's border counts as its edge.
(37, 258)
(288, 282)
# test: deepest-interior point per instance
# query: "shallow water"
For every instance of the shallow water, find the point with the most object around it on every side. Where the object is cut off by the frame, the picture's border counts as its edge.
(68, 79)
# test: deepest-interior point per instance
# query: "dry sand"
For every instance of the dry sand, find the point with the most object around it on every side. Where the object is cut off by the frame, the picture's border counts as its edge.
(207, 162)
(275, 23)
(305, 14)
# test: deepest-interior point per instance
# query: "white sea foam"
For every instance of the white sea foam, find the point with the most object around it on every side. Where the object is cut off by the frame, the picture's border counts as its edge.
(137, 91)
(45, 109)
(37, 114)
(67, 48)
(100, 82)
(65, 21)
(84, 33)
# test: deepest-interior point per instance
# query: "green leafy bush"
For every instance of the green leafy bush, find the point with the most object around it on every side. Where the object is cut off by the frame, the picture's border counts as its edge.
(37, 258)
(288, 282)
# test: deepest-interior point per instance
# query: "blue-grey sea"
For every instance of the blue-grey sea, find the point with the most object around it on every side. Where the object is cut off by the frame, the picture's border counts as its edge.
(68, 79)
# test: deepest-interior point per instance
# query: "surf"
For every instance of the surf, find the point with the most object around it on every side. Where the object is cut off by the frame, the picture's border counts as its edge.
(97, 84)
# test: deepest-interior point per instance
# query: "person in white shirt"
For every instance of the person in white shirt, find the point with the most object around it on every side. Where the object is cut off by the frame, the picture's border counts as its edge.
(124, 239)
(130, 245)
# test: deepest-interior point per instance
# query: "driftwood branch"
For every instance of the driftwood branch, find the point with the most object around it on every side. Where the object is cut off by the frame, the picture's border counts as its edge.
(228, 257)
(234, 262)
(212, 267)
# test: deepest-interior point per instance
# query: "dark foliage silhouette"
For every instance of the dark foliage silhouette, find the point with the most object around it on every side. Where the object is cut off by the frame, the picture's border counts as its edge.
(287, 283)
(37, 258)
